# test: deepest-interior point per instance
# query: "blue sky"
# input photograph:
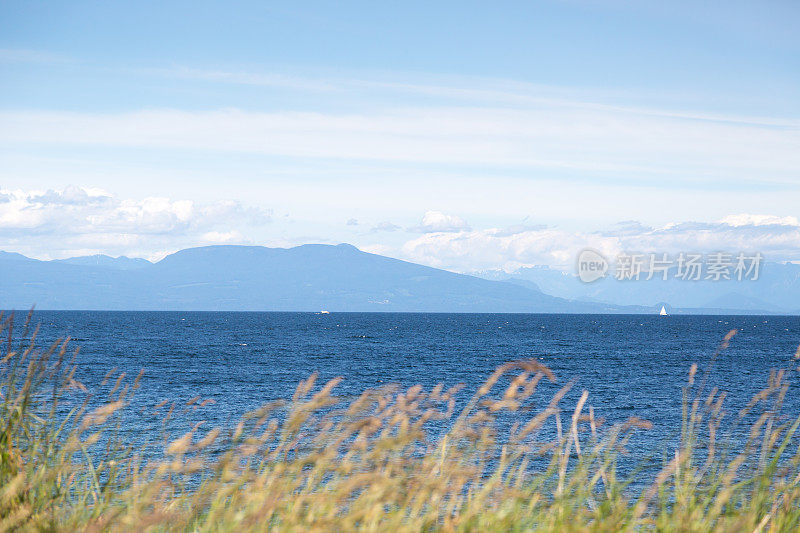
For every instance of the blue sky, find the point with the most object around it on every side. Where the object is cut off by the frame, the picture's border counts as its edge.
(463, 135)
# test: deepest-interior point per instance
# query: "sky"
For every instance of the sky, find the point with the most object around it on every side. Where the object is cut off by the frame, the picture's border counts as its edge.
(463, 135)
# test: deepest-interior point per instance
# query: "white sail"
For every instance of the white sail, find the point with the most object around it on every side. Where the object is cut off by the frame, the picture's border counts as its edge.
(663, 311)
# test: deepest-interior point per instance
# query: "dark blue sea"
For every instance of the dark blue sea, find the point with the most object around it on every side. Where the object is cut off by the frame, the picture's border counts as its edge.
(630, 364)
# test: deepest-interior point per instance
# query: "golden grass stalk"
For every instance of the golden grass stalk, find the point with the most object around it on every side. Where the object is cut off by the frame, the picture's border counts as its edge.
(391, 459)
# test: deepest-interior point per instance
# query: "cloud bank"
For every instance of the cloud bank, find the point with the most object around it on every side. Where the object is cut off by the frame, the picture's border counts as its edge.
(436, 221)
(77, 220)
(59, 223)
(778, 238)
(566, 136)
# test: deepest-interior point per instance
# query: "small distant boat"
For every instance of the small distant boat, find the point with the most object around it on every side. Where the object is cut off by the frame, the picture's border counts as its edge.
(663, 311)
(324, 312)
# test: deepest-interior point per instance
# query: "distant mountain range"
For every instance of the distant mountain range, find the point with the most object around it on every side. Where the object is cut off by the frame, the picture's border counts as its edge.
(777, 290)
(317, 277)
(253, 278)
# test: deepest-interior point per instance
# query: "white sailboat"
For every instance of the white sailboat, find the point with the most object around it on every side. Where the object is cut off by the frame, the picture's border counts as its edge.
(663, 311)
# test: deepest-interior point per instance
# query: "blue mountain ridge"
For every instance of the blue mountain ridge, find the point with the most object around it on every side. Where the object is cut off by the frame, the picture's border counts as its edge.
(777, 289)
(311, 277)
(316, 277)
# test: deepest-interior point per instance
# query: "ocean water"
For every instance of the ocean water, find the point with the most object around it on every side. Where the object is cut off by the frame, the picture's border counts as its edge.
(630, 364)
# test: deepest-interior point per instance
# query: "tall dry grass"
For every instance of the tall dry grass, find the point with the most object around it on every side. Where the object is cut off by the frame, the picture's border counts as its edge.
(318, 462)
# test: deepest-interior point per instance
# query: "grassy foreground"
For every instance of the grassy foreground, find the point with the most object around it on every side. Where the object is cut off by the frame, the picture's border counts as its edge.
(320, 463)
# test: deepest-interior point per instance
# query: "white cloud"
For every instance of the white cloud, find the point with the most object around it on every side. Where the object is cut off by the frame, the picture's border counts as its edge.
(222, 237)
(776, 237)
(759, 220)
(54, 223)
(385, 226)
(497, 248)
(77, 220)
(436, 221)
(389, 146)
(661, 149)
